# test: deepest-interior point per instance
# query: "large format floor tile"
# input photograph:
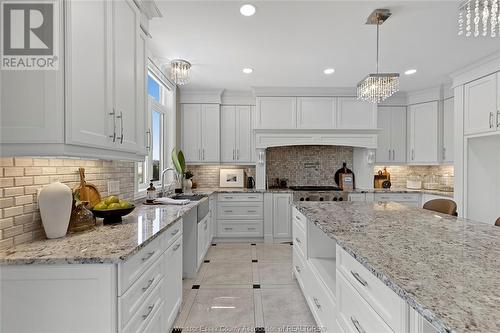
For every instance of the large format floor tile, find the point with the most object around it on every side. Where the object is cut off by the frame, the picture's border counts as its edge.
(274, 252)
(275, 273)
(228, 273)
(285, 307)
(230, 252)
(214, 308)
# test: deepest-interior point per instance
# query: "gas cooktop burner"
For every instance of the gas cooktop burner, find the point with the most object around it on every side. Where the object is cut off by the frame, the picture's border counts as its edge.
(315, 188)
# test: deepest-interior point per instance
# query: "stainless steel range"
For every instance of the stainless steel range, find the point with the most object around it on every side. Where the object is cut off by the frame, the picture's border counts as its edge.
(318, 193)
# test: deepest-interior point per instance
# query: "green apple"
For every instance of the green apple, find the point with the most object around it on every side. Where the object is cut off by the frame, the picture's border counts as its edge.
(111, 200)
(114, 205)
(101, 206)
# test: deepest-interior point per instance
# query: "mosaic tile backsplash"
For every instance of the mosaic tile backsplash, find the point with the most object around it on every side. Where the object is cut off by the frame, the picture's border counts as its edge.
(20, 178)
(306, 165)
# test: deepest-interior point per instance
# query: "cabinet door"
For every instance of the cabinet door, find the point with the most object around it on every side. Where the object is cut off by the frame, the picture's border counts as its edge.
(480, 105)
(88, 74)
(276, 112)
(173, 282)
(355, 114)
(191, 132)
(448, 130)
(125, 40)
(384, 148)
(244, 144)
(398, 134)
(316, 112)
(142, 101)
(282, 215)
(210, 149)
(423, 126)
(228, 133)
(157, 321)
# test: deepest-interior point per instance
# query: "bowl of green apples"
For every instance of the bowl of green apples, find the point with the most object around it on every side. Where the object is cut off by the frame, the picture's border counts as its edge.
(111, 209)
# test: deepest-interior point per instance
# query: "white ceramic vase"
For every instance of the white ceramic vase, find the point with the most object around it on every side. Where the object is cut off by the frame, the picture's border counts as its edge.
(55, 201)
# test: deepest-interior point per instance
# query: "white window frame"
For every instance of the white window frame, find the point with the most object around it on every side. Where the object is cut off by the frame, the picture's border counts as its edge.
(167, 108)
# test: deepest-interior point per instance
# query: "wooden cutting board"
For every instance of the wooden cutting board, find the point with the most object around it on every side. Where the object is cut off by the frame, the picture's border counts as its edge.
(88, 192)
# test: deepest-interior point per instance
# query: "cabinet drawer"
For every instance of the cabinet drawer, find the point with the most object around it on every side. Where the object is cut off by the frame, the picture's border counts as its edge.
(240, 210)
(301, 271)
(299, 238)
(354, 314)
(240, 197)
(172, 234)
(299, 218)
(132, 269)
(380, 297)
(397, 197)
(146, 311)
(240, 229)
(130, 302)
(321, 304)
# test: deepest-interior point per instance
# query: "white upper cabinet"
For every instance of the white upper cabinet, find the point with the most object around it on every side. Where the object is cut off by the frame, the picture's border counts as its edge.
(201, 132)
(448, 115)
(276, 112)
(95, 100)
(423, 133)
(316, 112)
(355, 114)
(236, 134)
(392, 138)
(481, 105)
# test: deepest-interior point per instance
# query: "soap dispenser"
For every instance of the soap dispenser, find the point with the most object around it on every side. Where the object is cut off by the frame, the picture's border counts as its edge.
(150, 193)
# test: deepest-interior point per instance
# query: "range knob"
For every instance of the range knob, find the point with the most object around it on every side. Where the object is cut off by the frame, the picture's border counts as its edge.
(308, 199)
(301, 199)
(321, 199)
(334, 198)
(341, 199)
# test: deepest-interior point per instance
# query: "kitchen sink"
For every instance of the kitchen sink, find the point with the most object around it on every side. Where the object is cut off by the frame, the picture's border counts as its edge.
(191, 197)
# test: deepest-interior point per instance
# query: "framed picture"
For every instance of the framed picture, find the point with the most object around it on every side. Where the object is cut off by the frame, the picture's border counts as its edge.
(231, 178)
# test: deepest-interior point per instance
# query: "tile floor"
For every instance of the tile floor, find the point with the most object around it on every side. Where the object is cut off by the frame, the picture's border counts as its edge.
(244, 288)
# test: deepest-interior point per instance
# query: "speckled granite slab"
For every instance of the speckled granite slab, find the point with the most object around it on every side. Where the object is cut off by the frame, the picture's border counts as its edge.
(446, 268)
(105, 244)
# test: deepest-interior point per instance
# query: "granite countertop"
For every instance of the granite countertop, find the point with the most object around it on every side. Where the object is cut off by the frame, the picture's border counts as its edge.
(105, 244)
(446, 268)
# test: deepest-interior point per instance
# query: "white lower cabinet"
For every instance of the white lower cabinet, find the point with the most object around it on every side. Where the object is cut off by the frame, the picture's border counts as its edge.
(282, 227)
(240, 215)
(409, 199)
(142, 294)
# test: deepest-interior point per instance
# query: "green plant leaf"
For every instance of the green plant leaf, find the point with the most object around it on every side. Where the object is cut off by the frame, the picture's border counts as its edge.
(175, 160)
(182, 161)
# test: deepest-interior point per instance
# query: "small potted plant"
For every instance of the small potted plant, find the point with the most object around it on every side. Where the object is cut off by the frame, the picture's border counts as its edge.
(180, 166)
(188, 183)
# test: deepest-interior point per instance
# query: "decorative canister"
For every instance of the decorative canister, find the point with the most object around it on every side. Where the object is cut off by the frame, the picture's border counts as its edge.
(81, 218)
(55, 201)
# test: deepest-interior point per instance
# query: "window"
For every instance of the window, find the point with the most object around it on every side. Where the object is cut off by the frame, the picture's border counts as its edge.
(160, 120)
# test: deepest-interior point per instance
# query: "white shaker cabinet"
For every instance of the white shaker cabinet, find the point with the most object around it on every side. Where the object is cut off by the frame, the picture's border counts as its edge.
(355, 114)
(236, 134)
(448, 123)
(316, 112)
(423, 133)
(481, 109)
(282, 225)
(392, 138)
(201, 132)
(276, 112)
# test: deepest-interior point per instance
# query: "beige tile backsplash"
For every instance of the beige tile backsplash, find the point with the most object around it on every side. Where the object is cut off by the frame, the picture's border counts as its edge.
(306, 165)
(208, 175)
(400, 173)
(21, 177)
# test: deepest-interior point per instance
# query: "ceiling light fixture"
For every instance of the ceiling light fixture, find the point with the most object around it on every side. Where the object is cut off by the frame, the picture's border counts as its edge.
(329, 71)
(410, 72)
(247, 70)
(247, 10)
(179, 71)
(376, 87)
(480, 17)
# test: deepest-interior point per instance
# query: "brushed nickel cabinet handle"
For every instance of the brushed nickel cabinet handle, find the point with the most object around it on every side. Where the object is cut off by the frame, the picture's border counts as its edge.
(297, 268)
(150, 282)
(393, 155)
(113, 136)
(228, 228)
(177, 247)
(175, 232)
(317, 303)
(444, 153)
(389, 154)
(298, 240)
(150, 309)
(359, 278)
(356, 324)
(121, 127)
(149, 255)
(149, 140)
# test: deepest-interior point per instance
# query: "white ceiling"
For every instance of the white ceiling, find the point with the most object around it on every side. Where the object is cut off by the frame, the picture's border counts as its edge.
(289, 43)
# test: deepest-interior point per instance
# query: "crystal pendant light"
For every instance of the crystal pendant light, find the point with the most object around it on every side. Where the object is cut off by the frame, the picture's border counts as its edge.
(179, 71)
(376, 87)
(482, 18)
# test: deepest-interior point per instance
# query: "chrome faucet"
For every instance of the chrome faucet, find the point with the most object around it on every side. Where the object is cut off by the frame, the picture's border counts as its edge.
(162, 193)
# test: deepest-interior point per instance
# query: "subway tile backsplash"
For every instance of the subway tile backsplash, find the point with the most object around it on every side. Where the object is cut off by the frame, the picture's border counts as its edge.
(208, 175)
(21, 177)
(400, 173)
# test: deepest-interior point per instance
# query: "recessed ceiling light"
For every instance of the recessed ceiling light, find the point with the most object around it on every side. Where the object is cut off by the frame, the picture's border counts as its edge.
(329, 71)
(410, 71)
(247, 70)
(247, 10)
